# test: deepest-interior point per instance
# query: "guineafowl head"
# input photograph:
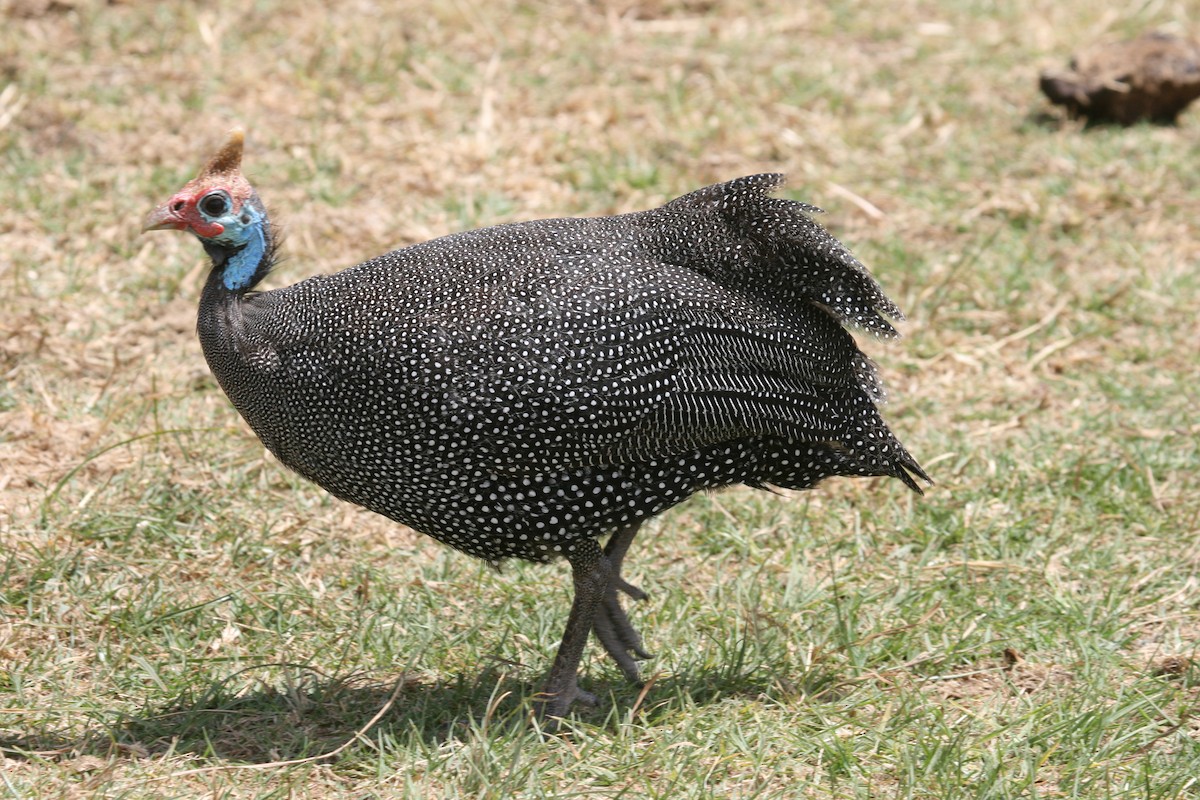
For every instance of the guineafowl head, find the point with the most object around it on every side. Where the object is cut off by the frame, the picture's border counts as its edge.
(222, 209)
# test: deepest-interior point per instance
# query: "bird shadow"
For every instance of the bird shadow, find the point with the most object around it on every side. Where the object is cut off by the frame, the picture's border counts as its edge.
(283, 715)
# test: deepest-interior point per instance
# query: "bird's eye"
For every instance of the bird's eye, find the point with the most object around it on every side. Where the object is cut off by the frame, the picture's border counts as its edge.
(215, 205)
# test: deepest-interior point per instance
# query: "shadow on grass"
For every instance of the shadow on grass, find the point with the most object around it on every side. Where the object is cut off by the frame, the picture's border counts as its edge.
(300, 713)
(285, 712)
(1053, 121)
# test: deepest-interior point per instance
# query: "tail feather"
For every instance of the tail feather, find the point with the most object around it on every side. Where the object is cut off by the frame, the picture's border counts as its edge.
(781, 253)
(906, 464)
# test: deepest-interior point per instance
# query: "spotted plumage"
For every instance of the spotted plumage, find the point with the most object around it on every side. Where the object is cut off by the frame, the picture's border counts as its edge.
(521, 390)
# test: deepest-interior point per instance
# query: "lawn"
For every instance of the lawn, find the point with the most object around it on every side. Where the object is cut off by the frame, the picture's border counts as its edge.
(181, 617)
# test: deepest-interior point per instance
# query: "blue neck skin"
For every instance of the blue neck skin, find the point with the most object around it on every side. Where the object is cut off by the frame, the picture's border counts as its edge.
(242, 247)
(242, 266)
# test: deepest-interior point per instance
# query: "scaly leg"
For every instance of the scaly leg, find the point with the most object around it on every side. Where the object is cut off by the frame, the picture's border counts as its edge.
(591, 572)
(612, 626)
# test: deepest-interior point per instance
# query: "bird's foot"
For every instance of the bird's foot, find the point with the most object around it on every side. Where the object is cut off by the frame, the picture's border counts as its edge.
(616, 632)
(628, 588)
(556, 699)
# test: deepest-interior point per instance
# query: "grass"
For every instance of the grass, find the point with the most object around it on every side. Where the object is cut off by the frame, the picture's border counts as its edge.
(178, 614)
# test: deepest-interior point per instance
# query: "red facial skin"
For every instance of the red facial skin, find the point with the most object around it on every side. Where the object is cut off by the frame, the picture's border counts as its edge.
(180, 214)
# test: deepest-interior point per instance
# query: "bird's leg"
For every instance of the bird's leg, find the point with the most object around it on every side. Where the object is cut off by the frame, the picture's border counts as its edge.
(612, 626)
(591, 572)
(618, 545)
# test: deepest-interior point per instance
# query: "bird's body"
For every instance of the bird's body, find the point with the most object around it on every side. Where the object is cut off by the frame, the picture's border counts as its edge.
(519, 391)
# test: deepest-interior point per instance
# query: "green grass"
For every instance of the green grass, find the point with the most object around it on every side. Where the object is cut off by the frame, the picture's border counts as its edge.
(178, 613)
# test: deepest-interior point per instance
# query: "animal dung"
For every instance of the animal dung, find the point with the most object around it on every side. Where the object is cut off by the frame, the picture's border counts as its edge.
(1152, 77)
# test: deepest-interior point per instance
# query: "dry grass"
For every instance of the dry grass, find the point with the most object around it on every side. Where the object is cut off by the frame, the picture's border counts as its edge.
(847, 643)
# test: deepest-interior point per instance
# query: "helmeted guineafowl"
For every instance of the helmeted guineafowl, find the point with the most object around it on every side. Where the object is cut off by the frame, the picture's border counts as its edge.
(520, 390)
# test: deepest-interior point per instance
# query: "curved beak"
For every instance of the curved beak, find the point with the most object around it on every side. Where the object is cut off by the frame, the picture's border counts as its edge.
(164, 218)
